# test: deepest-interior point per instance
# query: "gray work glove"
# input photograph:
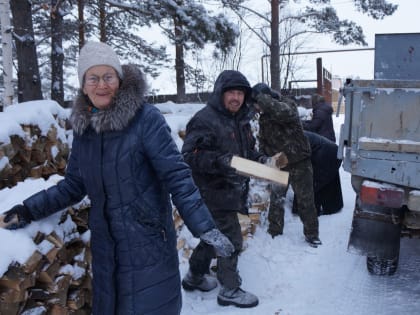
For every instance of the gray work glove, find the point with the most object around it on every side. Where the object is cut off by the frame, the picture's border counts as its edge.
(278, 160)
(17, 217)
(222, 245)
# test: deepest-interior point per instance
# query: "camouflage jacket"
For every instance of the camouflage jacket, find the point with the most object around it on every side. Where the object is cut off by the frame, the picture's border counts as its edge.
(281, 129)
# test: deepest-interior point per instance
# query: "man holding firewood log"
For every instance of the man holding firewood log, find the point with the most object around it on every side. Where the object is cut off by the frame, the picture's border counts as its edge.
(214, 135)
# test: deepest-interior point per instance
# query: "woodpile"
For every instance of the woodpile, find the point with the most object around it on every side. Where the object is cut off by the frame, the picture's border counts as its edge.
(250, 222)
(56, 279)
(34, 155)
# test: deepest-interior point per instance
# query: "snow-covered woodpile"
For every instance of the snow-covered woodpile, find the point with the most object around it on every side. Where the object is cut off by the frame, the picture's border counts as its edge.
(32, 155)
(56, 279)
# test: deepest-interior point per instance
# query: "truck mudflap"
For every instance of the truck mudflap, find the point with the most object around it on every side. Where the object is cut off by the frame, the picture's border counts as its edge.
(376, 231)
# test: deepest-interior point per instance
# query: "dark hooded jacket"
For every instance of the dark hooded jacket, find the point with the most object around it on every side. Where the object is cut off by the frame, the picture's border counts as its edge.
(126, 161)
(324, 159)
(321, 122)
(213, 136)
(325, 164)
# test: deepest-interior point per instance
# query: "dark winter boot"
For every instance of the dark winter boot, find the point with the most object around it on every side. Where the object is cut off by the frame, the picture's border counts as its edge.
(236, 297)
(313, 241)
(203, 283)
(274, 229)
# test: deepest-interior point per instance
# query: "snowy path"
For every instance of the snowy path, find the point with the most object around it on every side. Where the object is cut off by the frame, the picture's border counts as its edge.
(291, 278)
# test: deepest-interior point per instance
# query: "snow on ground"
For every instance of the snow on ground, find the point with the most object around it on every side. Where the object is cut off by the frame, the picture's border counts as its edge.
(291, 278)
(288, 276)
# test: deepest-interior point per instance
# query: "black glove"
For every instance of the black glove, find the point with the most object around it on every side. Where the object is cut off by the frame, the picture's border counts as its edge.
(262, 88)
(222, 245)
(19, 212)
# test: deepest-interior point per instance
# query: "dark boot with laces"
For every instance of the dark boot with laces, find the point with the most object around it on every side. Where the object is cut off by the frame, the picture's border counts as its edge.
(203, 283)
(236, 297)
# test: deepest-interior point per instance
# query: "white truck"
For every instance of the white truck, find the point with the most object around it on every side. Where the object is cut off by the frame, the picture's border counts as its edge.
(380, 146)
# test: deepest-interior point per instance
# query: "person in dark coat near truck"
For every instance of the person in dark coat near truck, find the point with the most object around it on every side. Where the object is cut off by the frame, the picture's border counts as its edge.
(214, 134)
(321, 122)
(124, 158)
(326, 165)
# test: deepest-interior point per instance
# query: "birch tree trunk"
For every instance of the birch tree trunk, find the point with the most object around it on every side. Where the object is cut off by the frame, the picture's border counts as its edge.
(6, 44)
(57, 53)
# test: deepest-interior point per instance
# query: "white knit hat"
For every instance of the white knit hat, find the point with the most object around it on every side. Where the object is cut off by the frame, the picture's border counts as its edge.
(95, 54)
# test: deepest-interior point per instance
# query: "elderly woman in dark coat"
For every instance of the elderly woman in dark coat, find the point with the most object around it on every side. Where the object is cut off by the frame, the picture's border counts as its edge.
(124, 159)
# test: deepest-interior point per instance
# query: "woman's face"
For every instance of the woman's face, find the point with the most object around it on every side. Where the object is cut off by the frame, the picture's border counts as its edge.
(101, 84)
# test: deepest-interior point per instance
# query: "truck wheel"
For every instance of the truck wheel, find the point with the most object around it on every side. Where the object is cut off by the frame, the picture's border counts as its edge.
(381, 266)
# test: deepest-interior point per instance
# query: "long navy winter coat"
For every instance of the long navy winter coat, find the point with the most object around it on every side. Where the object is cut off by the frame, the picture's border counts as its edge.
(214, 133)
(125, 160)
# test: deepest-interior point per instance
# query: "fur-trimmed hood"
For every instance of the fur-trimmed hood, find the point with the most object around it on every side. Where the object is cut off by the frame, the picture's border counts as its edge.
(129, 99)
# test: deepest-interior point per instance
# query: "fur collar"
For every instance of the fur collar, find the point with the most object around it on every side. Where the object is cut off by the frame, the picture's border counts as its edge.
(129, 99)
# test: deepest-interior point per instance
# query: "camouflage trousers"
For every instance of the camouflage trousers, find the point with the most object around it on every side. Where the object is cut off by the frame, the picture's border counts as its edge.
(276, 210)
(301, 180)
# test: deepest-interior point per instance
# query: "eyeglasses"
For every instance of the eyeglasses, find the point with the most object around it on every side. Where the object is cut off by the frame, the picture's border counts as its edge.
(94, 80)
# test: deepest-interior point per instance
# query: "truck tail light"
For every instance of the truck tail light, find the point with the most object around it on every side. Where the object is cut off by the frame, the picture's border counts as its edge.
(381, 194)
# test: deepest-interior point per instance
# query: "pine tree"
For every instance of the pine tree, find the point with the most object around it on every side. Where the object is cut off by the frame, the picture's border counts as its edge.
(29, 80)
(188, 25)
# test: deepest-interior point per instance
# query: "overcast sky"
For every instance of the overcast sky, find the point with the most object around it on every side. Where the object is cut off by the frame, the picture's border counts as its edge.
(360, 64)
(357, 64)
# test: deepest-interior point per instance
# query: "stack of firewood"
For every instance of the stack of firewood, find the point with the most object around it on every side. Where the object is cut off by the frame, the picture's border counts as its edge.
(250, 222)
(34, 155)
(56, 279)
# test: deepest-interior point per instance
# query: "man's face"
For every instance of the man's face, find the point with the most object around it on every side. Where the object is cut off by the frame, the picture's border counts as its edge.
(233, 100)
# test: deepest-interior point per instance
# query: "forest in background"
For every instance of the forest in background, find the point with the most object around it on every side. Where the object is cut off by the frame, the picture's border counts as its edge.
(41, 39)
